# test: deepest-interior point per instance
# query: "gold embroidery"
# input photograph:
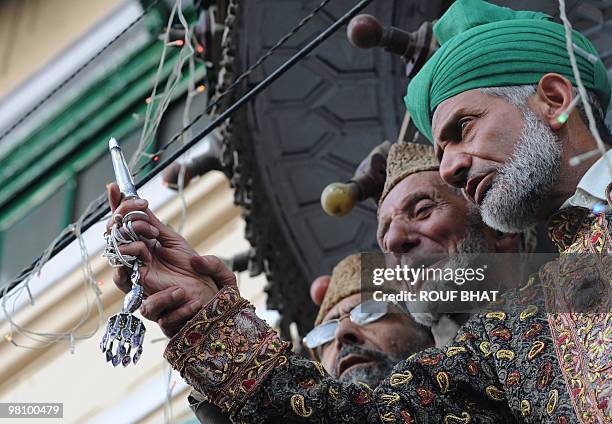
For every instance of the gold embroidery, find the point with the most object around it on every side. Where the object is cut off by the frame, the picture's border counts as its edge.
(398, 379)
(529, 311)
(453, 419)
(319, 368)
(495, 393)
(485, 348)
(298, 405)
(334, 393)
(528, 284)
(443, 381)
(389, 399)
(525, 408)
(496, 315)
(578, 335)
(361, 383)
(552, 402)
(388, 417)
(454, 350)
(536, 348)
(505, 354)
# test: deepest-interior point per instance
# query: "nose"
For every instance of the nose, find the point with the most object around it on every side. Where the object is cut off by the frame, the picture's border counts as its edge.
(348, 333)
(455, 167)
(400, 238)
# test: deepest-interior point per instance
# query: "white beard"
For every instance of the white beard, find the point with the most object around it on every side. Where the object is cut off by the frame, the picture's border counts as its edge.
(523, 184)
(427, 313)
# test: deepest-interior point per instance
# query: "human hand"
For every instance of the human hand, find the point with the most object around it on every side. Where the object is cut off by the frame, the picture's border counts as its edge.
(172, 308)
(166, 267)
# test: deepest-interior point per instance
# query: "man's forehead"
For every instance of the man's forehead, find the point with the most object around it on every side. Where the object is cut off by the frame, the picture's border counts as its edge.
(459, 104)
(426, 181)
(347, 303)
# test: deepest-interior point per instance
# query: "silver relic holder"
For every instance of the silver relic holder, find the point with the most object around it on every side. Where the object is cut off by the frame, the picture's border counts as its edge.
(124, 335)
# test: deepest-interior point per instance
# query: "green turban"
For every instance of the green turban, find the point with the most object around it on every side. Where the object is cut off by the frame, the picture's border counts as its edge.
(483, 45)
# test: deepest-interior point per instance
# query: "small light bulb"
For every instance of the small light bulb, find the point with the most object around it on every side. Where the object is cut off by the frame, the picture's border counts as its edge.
(598, 208)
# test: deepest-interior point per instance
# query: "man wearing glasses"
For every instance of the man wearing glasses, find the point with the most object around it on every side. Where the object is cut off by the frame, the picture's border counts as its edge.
(354, 340)
(359, 342)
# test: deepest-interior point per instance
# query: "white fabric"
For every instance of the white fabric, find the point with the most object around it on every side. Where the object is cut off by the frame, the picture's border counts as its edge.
(591, 189)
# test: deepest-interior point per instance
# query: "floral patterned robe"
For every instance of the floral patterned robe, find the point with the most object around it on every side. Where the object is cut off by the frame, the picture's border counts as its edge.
(516, 364)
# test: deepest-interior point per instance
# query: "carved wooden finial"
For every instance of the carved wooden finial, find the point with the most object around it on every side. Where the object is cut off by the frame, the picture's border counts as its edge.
(364, 31)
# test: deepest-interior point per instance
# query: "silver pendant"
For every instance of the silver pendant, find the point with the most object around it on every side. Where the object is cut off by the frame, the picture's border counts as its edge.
(122, 340)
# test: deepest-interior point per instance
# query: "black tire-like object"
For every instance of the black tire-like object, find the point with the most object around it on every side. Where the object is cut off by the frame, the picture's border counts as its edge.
(310, 128)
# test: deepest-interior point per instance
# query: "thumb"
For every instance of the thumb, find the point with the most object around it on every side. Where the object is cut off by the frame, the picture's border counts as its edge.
(114, 195)
(214, 267)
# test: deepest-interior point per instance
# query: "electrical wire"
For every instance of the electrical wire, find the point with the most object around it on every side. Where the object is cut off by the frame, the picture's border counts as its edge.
(42, 340)
(581, 89)
(98, 213)
(79, 69)
(98, 209)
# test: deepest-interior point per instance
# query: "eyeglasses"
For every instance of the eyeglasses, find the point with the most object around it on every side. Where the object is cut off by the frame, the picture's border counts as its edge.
(362, 314)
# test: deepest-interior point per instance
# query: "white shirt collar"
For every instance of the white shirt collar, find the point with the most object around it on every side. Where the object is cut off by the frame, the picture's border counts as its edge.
(591, 189)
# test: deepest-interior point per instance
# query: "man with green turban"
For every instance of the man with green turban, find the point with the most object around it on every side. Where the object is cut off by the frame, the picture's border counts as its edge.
(497, 102)
(515, 364)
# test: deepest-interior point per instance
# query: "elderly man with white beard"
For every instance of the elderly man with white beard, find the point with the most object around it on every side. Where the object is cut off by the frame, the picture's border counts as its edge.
(507, 131)
(422, 220)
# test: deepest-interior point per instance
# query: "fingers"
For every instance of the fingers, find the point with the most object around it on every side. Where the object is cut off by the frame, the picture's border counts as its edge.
(121, 278)
(138, 249)
(134, 205)
(164, 300)
(121, 275)
(171, 322)
(126, 205)
(215, 268)
(114, 195)
(142, 229)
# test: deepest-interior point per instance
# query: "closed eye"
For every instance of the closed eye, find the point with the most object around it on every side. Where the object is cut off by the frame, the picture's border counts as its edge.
(463, 126)
(423, 208)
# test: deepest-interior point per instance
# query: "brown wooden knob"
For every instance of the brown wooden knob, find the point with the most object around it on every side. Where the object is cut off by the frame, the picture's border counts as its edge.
(364, 31)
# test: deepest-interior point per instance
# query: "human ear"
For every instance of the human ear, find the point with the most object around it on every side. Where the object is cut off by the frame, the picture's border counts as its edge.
(553, 97)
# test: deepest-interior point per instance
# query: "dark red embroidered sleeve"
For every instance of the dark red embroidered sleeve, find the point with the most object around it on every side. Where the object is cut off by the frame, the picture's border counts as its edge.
(500, 368)
(225, 350)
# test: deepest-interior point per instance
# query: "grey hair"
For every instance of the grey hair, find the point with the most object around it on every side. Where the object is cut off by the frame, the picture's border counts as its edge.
(518, 95)
(529, 240)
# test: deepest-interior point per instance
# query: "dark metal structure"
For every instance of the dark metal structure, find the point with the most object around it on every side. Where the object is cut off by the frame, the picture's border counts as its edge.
(317, 124)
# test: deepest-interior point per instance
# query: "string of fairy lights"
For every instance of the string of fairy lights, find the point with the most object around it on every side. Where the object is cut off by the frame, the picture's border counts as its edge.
(159, 103)
(97, 209)
(80, 69)
(100, 208)
(572, 48)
